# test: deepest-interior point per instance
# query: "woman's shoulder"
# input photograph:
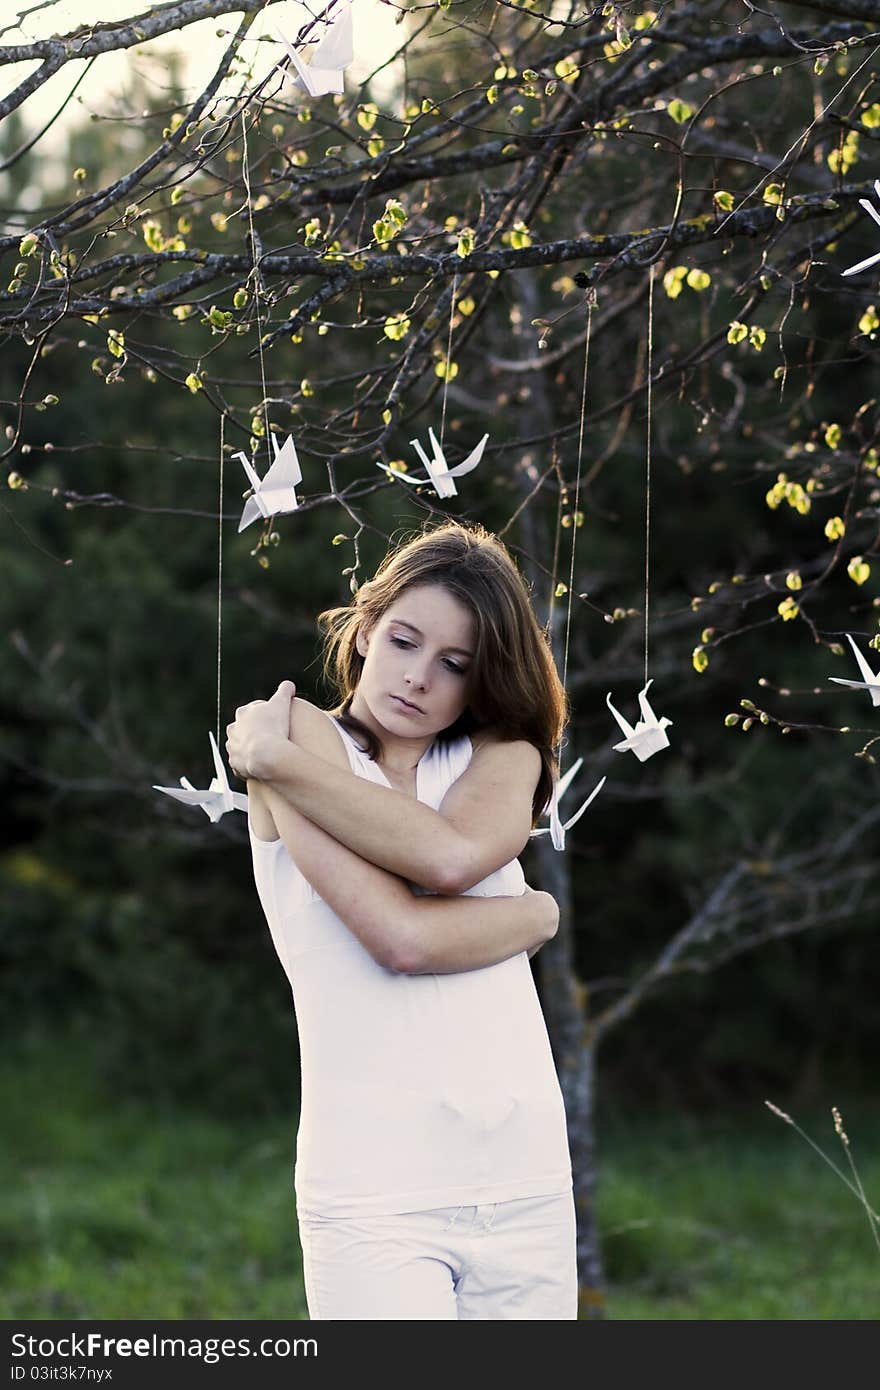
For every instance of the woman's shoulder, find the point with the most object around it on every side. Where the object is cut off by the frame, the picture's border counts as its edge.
(491, 734)
(521, 762)
(316, 730)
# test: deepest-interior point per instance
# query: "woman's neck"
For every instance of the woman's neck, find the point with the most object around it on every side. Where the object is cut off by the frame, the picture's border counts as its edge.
(400, 756)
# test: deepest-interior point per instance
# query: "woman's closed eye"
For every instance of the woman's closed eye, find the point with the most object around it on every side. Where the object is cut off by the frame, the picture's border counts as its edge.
(451, 665)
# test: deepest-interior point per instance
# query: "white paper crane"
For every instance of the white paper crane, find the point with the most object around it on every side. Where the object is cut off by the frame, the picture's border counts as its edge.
(871, 679)
(556, 829)
(330, 57)
(219, 797)
(277, 491)
(872, 260)
(440, 475)
(649, 734)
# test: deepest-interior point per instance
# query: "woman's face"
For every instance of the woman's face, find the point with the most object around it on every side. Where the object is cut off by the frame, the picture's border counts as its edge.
(420, 651)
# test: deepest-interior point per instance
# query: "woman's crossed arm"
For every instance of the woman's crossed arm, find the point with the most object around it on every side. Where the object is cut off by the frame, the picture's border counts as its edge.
(484, 820)
(400, 930)
(410, 934)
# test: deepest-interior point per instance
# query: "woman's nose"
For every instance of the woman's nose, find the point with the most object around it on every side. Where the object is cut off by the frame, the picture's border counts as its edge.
(417, 676)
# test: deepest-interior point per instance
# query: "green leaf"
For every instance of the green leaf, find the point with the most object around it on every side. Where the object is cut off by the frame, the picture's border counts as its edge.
(757, 337)
(680, 111)
(567, 69)
(699, 279)
(673, 281)
(396, 327)
(366, 116)
(787, 609)
(152, 234)
(858, 569)
(833, 436)
(871, 116)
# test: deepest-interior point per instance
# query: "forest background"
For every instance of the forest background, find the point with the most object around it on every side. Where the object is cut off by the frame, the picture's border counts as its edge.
(578, 228)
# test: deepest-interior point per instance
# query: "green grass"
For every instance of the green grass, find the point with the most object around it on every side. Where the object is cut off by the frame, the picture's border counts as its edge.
(737, 1217)
(115, 1209)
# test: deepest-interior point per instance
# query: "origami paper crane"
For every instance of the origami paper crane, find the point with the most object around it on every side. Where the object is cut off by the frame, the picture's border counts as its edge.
(440, 475)
(277, 491)
(330, 58)
(871, 679)
(556, 829)
(219, 797)
(872, 260)
(649, 734)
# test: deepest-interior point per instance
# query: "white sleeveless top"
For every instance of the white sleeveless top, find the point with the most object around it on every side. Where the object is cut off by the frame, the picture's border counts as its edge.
(418, 1091)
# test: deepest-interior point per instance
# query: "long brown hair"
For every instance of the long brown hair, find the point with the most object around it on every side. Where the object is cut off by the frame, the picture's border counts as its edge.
(515, 686)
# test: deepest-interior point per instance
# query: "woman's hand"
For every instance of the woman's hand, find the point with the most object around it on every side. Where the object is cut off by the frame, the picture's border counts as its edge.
(255, 727)
(552, 907)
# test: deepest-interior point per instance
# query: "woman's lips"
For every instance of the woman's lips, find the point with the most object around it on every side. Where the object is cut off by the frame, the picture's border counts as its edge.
(405, 705)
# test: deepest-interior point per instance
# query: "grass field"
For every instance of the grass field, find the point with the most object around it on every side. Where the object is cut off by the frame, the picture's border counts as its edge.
(115, 1209)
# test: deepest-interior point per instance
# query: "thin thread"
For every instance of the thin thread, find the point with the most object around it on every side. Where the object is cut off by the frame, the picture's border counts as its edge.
(577, 486)
(246, 175)
(220, 577)
(448, 359)
(650, 370)
(557, 532)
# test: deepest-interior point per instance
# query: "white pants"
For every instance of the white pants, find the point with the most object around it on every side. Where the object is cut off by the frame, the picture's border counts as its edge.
(504, 1260)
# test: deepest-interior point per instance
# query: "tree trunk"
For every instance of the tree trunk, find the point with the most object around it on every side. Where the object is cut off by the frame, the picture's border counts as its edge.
(565, 1007)
(563, 995)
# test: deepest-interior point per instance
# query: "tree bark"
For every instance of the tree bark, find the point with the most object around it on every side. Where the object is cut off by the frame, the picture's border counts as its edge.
(564, 996)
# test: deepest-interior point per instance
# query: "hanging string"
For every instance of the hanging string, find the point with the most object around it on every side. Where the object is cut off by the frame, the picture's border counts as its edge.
(220, 576)
(650, 403)
(448, 359)
(255, 273)
(557, 530)
(591, 299)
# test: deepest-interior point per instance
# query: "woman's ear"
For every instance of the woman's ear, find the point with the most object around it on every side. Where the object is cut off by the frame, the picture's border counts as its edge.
(362, 640)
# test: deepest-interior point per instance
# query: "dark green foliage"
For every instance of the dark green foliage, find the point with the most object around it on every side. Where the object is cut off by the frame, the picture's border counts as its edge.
(122, 907)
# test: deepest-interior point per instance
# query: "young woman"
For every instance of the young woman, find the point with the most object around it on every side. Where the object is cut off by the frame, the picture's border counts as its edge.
(433, 1177)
